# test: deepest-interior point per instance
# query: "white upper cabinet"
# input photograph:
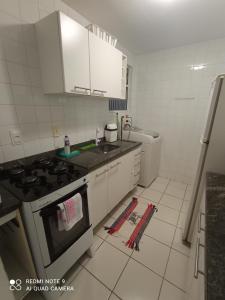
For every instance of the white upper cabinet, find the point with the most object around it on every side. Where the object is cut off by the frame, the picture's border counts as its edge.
(105, 68)
(74, 60)
(64, 55)
(75, 55)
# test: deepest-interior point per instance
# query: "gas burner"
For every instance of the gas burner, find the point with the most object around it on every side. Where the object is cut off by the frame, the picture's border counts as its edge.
(29, 180)
(36, 177)
(16, 171)
(43, 162)
(58, 169)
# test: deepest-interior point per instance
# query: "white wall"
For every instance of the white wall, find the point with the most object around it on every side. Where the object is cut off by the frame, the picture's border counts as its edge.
(22, 103)
(161, 78)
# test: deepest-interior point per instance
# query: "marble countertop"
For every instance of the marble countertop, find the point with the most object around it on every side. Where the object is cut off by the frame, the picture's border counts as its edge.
(215, 236)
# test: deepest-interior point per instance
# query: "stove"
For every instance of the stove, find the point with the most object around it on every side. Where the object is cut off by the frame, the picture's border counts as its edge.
(32, 178)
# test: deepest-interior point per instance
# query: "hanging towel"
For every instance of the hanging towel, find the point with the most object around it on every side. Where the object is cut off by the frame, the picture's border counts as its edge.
(61, 217)
(70, 212)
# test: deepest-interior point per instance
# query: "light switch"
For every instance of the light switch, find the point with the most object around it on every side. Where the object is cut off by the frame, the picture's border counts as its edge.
(15, 135)
(56, 132)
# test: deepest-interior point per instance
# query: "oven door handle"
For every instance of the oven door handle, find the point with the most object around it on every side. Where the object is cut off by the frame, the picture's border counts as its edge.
(47, 212)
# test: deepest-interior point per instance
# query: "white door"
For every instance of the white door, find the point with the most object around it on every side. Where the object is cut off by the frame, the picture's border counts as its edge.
(75, 55)
(98, 195)
(105, 68)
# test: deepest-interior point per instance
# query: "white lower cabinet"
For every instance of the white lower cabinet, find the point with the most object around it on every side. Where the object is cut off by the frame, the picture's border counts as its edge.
(98, 194)
(196, 268)
(109, 184)
(115, 182)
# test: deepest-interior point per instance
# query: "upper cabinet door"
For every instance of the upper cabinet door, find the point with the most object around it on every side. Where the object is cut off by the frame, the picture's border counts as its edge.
(75, 56)
(105, 68)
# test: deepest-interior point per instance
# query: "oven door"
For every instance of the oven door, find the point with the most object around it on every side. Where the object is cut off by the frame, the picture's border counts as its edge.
(54, 242)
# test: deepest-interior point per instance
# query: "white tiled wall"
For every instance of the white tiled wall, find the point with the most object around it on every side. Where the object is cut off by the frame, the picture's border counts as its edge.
(23, 105)
(164, 76)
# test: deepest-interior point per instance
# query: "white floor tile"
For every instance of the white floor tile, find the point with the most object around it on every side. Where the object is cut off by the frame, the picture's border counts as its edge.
(176, 271)
(181, 221)
(178, 185)
(152, 254)
(97, 241)
(188, 194)
(145, 200)
(185, 206)
(138, 190)
(178, 243)
(152, 195)
(137, 282)
(126, 229)
(86, 287)
(167, 214)
(107, 264)
(176, 192)
(100, 231)
(170, 292)
(127, 200)
(119, 240)
(117, 211)
(160, 187)
(113, 297)
(171, 202)
(141, 207)
(160, 231)
(162, 180)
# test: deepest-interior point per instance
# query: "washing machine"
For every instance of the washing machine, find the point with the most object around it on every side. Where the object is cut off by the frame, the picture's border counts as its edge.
(151, 151)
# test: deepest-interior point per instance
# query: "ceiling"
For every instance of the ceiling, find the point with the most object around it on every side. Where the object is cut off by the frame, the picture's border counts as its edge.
(148, 25)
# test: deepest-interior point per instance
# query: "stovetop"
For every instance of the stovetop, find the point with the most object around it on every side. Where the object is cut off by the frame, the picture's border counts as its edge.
(35, 177)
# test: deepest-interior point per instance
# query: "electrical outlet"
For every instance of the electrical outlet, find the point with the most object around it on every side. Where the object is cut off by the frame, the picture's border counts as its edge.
(16, 137)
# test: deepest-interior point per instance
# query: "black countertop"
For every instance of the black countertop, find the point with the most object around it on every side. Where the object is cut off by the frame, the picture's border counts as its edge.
(91, 160)
(87, 159)
(9, 202)
(215, 236)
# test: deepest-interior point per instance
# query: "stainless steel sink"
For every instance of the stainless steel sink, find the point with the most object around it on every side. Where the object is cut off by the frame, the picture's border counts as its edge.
(105, 148)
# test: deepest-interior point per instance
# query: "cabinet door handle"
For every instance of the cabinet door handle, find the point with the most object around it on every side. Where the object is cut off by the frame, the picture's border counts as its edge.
(197, 271)
(82, 90)
(100, 174)
(200, 222)
(100, 91)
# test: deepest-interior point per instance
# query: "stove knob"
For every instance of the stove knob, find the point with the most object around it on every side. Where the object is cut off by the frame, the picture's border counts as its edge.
(71, 168)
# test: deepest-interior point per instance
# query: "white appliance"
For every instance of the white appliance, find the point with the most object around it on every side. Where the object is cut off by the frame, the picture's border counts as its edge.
(151, 149)
(111, 133)
(212, 155)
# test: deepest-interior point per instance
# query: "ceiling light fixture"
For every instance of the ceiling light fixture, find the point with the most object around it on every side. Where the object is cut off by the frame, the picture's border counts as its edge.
(197, 67)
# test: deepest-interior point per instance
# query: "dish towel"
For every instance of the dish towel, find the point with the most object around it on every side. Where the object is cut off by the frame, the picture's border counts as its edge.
(70, 212)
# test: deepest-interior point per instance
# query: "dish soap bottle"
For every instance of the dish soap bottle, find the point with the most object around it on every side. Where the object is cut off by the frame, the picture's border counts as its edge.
(66, 145)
